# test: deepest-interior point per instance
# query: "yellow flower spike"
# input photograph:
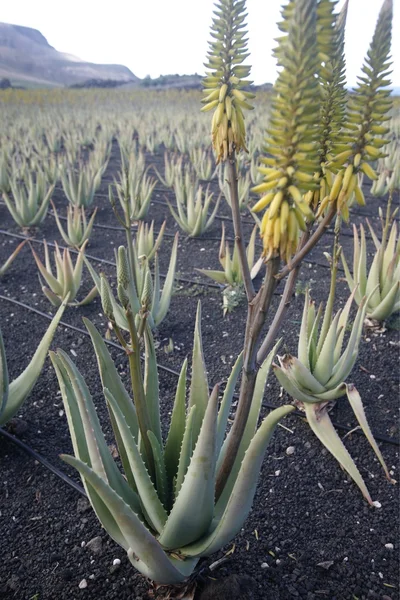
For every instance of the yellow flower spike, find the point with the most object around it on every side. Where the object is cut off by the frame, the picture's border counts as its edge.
(263, 203)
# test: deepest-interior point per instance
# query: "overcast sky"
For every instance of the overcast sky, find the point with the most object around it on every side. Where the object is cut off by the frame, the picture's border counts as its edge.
(154, 37)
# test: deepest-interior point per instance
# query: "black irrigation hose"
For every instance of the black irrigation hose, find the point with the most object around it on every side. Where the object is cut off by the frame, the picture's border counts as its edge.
(31, 452)
(42, 460)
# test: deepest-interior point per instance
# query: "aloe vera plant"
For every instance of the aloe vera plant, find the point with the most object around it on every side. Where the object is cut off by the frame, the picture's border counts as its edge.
(317, 375)
(79, 228)
(80, 187)
(13, 394)
(67, 280)
(30, 200)
(163, 512)
(231, 276)
(382, 282)
(144, 239)
(193, 216)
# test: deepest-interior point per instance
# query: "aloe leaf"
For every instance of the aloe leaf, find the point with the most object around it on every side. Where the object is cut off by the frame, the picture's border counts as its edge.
(110, 378)
(332, 393)
(301, 376)
(186, 450)
(149, 558)
(4, 381)
(361, 264)
(342, 324)
(291, 388)
(241, 497)
(12, 209)
(54, 299)
(358, 409)
(213, 214)
(342, 368)
(302, 350)
(218, 276)
(321, 424)
(390, 249)
(166, 294)
(21, 386)
(373, 281)
(177, 427)
(84, 416)
(386, 307)
(51, 281)
(184, 525)
(149, 499)
(89, 297)
(161, 473)
(81, 450)
(324, 365)
(350, 281)
(198, 395)
(151, 388)
(11, 258)
(226, 402)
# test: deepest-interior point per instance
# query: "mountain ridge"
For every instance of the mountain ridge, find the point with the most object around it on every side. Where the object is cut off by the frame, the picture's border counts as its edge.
(27, 59)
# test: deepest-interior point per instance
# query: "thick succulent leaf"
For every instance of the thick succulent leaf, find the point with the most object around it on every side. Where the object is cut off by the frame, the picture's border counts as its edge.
(147, 493)
(90, 296)
(301, 376)
(249, 431)
(51, 281)
(291, 388)
(177, 427)
(23, 384)
(110, 378)
(324, 365)
(186, 450)
(90, 440)
(386, 307)
(161, 473)
(302, 350)
(321, 424)
(332, 393)
(241, 497)
(11, 258)
(342, 325)
(198, 395)
(150, 558)
(81, 450)
(218, 276)
(373, 281)
(358, 409)
(4, 381)
(151, 388)
(168, 288)
(342, 368)
(193, 509)
(226, 402)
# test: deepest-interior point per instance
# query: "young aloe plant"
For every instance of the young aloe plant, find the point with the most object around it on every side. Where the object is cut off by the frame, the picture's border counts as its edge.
(78, 228)
(231, 276)
(30, 200)
(382, 283)
(172, 164)
(163, 512)
(81, 187)
(144, 239)
(13, 394)
(317, 375)
(134, 189)
(11, 258)
(67, 280)
(243, 183)
(141, 286)
(192, 216)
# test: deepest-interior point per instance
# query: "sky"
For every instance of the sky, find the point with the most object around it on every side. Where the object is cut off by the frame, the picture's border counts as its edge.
(160, 37)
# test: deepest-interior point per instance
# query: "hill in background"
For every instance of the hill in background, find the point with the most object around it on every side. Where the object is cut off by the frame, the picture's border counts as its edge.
(28, 60)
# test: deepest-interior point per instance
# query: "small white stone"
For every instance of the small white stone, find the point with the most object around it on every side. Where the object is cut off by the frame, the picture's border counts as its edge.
(277, 473)
(83, 544)
(372, 376)
(264, 565)
(83, 584)
(290, 450)
(346, 558)
(389, 546)
(91, 576)
(377, 504)
(116, 562)
(73, 352)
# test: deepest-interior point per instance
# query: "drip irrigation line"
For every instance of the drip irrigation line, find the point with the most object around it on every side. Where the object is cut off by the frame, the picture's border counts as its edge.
(107, 262)
(380, 437)
(46, 463)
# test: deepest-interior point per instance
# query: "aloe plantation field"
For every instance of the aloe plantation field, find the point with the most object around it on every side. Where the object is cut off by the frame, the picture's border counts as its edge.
(311, 533)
